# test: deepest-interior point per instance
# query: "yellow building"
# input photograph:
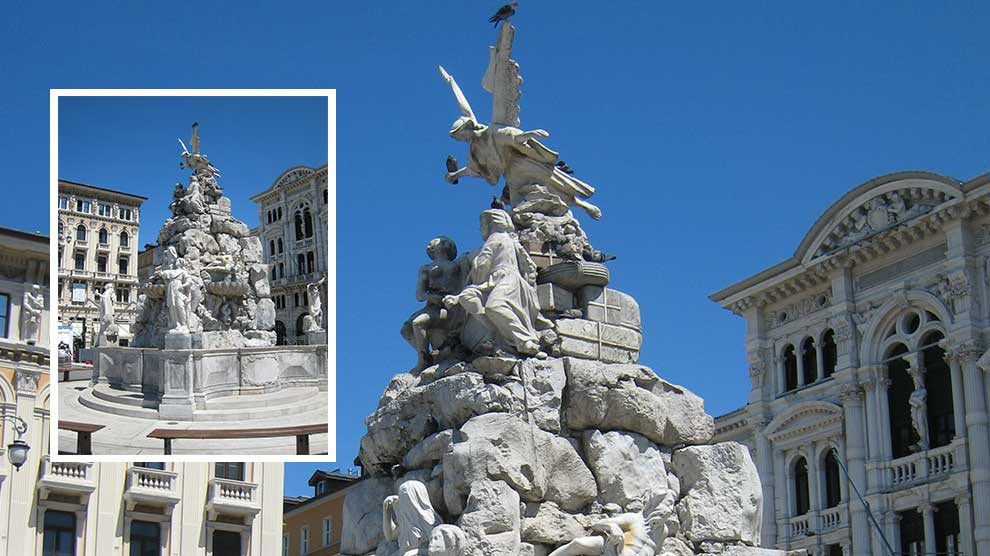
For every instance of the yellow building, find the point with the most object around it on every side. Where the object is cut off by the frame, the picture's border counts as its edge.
(312, 526)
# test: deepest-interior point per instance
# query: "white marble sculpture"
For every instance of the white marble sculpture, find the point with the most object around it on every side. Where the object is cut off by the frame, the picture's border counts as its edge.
(108, 322)
(179, 293)
(315, 305)
(445, 274)
(918, 401)
(32, 306)
(409, 518)
(502, 289)
(631, 533)
(501, 149)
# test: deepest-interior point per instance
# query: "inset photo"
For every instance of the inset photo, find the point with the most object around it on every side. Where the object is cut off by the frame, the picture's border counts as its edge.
(195, 274)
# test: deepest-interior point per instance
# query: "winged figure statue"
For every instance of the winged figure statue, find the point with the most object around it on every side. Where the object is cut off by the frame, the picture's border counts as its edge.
(501, 149)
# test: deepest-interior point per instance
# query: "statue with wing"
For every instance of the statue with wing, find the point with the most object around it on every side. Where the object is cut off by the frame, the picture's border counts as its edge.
(502, 149)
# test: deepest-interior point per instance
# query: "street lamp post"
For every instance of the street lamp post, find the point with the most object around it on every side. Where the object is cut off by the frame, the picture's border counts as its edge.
(17, 451)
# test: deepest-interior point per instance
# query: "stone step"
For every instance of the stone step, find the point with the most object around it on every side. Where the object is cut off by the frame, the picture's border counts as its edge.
(233, 409)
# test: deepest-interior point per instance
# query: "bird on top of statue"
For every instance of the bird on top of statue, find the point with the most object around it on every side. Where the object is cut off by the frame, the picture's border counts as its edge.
(504, 13)
(452, 165)
(565, 168)
(497, 203)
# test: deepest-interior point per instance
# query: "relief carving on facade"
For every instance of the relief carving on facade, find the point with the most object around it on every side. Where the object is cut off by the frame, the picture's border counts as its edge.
(798, 309)
(879, 213)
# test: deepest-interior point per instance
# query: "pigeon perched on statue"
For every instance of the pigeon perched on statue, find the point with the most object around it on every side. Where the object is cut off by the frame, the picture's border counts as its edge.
(497, 203)
(565, 168)
(452, 166)
(504, 13)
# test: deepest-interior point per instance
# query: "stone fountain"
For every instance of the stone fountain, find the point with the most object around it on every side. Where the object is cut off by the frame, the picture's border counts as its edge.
(205, 320)
(526, 426)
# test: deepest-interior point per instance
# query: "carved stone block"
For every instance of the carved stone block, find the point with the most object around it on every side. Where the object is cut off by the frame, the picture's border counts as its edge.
(554, 298)
(598, 341)
(609, 306)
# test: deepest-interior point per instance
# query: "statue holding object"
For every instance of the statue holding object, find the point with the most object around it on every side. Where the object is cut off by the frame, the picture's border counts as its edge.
(502, 149)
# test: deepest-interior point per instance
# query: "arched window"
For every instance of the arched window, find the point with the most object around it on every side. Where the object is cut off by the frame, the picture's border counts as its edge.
(938, 386)
(300, 330)
(830, 353)
(790, 369)
(809, 360)
(308, 222)
(279, 333)
(902, 434)
(279, 245)
(833, 489)
(81, 233)
(125, 240)
(301, 263)
(273, 273)
(271, 246)
(298, 221)
(802, 502)
(104, 236)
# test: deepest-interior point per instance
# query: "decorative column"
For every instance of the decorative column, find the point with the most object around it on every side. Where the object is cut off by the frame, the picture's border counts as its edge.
(814, 482)
(799, 355)
(852, 403)
(883, 413)
(765, 467)
(958, 394)
(781, 505)
(927, 511)
(979, 440)
(966, 545)
(872, 425)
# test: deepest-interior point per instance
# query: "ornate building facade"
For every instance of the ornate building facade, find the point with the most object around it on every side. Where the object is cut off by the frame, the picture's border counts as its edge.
(313, 525)
(171, 509)
(868, 363)
(293, 231)
(97, 245)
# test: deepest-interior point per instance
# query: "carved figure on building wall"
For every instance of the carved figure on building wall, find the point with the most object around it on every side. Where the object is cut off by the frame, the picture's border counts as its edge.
(918, 401)
(502, 149)
(502, 289)
(444, 275)
(409, 518)
(32, 306)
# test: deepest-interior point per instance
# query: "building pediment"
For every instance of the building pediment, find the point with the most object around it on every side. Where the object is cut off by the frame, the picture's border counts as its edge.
(805, 420)
(292, 175)
(875, 207)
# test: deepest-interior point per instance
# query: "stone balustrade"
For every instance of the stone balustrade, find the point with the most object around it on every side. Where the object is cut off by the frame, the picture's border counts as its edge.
(151, 486)
(800, 525)
(833, 518)
(923, 466)
(70, 477)
(227, 496)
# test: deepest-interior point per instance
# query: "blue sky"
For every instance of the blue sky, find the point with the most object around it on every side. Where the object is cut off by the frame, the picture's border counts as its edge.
(130, 144)
(716, 134)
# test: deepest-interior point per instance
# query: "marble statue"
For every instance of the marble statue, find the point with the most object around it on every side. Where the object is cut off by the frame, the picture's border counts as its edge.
(32, 306)
(502, 288)
(108, 322)
(445, 274)
(179, 293)
(409, 518)
(502, 149)
(629, 534)
(918, 402)
(315, 304)
(447, 540)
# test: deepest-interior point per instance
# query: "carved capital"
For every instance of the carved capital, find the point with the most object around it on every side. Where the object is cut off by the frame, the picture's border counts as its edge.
(966, 352)
(851, 393)
(26, 381)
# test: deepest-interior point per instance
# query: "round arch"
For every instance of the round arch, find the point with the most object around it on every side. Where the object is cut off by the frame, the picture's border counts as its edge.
(874, 343)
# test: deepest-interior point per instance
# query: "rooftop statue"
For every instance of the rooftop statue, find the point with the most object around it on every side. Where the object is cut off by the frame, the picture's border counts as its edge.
(501, 149)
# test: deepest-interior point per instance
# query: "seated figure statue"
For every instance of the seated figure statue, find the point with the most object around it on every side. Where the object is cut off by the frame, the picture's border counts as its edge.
(443, 275)
(502, 289)
(629, 534)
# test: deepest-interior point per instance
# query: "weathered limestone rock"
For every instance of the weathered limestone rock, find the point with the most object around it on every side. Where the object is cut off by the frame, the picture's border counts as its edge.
(546, 523)
(672, 546)
(491, 517)
(250, 249)
(544, 382)
(418, 411)
(633, 398)
(264, 315)
(536, 464)
(626, 465)
(429, 451)
(363, 515)
(721, 496)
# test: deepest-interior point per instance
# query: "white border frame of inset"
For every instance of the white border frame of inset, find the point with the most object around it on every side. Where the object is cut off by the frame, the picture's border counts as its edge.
(331, 302)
